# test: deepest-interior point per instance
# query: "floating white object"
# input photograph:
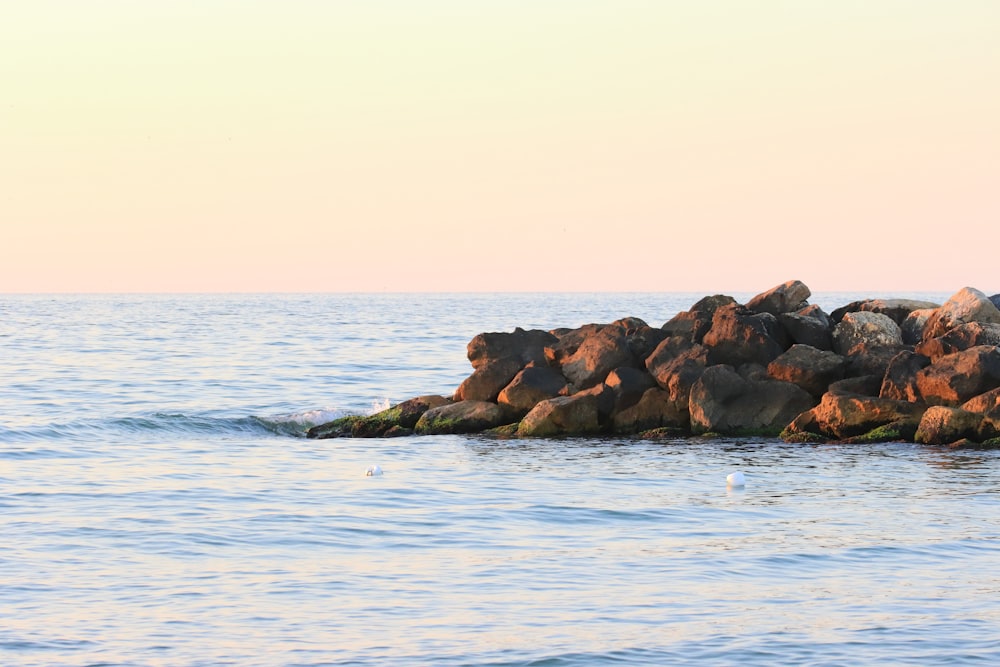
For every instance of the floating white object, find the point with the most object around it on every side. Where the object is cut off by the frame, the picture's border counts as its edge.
(373, 471)
(736, 480)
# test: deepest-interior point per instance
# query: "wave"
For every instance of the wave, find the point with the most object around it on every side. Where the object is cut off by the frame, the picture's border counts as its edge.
(168, 424)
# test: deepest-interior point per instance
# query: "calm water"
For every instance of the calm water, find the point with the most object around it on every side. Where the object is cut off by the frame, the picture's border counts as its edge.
(159, 507)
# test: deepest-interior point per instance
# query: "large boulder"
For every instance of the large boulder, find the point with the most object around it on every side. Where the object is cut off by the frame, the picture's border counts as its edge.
(960, 337)
(568, 341)
(598, 355)
(676, 364)
(693, 324)
(840, 416)
(868, 340)
(955, 378)
(643, 340)
(785, 298)
(985, 404)
(966, 305)
(520, 345)
(808, 329)
(628, 385)
(863, 385)
(398, 419)
(529, 387)
(942, 425)
(812, 369)
(900, 380)
(739, 335)
(895, 309)
(654, 409)
(462, 417)
(722, 401)
(563, 415)
(915, 324)
(488, 380)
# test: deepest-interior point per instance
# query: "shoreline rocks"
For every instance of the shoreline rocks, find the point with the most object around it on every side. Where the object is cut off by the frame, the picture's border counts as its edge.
(872, 371)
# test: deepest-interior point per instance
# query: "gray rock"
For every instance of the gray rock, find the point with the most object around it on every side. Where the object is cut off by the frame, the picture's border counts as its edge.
(966, 305)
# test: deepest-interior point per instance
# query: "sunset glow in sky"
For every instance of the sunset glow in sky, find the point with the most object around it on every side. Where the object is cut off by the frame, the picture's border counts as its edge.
(499, 145)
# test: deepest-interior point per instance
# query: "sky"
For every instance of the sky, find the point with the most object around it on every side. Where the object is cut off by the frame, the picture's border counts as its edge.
(499, 145)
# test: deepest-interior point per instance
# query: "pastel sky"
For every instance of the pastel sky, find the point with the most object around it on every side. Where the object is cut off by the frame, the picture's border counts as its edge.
(499, 145)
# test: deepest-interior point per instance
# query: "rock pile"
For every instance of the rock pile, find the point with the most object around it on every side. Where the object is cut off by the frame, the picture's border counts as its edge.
(873, 370)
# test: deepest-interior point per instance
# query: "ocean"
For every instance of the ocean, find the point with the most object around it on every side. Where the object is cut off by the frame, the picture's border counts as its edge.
(159, 505)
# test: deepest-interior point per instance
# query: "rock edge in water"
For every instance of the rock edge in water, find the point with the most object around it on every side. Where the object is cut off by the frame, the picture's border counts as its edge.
(871, 371)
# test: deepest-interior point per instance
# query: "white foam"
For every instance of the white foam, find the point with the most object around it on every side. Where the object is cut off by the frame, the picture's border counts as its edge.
(380, 405)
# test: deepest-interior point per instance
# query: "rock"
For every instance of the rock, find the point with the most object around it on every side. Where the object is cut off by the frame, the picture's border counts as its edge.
(807, 330)
(785, 298)
(654, 409)
(960, 337)
(598, 355)
(721, 401)
(563, 415)
(488, 380)
(900, 380)
(984, 404)
(739, 336)
(955, 378)
(568, 341)
(605, 401)
(628, 385)
(813, 370)
(914, 325)
(530, 386)
(676, 365)
(523, 346)
(396, 420)
(941, 425)
(966, 305)
(863, 385)
(643, 340)
(462, 417)
(860, 329)
(895, 309)
(695, 323)
(995, 300)
(868, 340)
(842, 416)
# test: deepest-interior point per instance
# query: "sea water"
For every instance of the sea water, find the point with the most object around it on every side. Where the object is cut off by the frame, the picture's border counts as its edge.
(159, 506)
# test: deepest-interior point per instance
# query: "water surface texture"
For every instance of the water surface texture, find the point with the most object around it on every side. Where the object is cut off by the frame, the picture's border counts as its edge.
(158, 506)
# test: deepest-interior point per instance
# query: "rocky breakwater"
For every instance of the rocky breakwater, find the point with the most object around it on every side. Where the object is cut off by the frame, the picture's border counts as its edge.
(870, 371)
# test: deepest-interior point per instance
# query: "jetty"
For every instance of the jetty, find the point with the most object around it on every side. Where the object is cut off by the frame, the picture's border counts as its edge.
(875, 370)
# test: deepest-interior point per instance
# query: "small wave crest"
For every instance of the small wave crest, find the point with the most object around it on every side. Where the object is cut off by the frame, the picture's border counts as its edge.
(176, 424)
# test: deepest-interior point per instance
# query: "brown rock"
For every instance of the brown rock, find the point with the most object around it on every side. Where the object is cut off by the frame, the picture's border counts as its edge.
(654, 409)
(984, 404)
(695, 323)
(521, 345)
(785, 298)
(941, 425)
(864, 385)
(960, 337)
(462, 417)
(895, 309)
(966, 305)
(842, 416)
(628, 385)
(955, 378)
(900, 380)
(676, 365)
(597, 356)
(722, 401)
(532, 385)
(488, 380)
(813, 370)
(740, 336)
(563, 415)
(568, 341)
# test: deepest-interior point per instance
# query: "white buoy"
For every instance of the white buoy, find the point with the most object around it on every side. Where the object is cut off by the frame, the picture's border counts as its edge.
(735, 480)
(373, 471)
